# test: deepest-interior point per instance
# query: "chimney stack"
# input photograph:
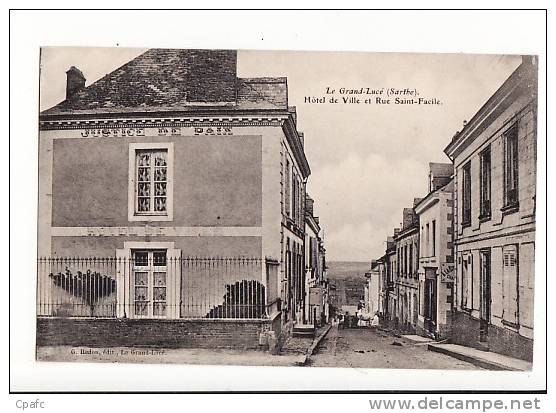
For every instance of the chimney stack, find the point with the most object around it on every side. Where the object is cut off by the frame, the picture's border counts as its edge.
(309, 204)
(75, 81)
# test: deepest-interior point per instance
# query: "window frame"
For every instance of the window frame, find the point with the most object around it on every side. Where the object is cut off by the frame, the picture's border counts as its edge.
(510, 287)
(132, 213)
(485, 184)
(466, 195)
(151, 268)
(511, 134)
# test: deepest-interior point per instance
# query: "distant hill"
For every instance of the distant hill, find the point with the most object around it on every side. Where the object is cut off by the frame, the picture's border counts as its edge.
(347, 282)
(347, 269)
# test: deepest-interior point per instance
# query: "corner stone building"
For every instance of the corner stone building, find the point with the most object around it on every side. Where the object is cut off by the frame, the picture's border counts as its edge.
(180, 187)
(494, 218)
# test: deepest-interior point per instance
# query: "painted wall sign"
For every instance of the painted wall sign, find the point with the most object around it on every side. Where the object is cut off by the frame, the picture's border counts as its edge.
(213, 130)
(447, 273)
(112, 132)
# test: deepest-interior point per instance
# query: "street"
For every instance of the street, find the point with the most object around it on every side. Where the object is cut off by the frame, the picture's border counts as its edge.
(366, 348)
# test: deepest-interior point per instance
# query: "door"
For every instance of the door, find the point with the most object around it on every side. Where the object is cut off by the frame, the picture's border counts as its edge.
(485, 301)
(430, 299)
(149, 281)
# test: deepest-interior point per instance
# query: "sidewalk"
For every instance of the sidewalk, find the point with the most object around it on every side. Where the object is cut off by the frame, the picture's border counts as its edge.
(484, 359)
(304, 347)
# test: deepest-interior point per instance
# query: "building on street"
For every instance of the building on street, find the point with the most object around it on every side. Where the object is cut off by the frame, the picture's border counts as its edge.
(373, 279)
(436, 260)
(171, 189)
(494, 159)
(407, 280)
(316, 300)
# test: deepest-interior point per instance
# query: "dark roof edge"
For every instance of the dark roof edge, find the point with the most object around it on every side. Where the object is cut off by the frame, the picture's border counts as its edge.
(510, 83)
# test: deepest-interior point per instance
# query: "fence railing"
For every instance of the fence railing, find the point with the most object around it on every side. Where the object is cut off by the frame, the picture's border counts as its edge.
(152, 285)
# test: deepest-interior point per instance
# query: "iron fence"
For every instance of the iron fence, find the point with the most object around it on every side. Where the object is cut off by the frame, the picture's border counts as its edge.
(150, 284)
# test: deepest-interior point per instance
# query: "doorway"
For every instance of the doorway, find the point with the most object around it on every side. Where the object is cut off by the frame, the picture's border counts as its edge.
(485, 303)
(430, 299)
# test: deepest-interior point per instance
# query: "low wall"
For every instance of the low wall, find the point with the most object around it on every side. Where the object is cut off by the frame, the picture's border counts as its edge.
(466, 332)
(199, 333)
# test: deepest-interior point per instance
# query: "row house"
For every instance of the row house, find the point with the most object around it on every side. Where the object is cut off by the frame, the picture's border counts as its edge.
(407, 281)
(316, 280)
(436, 260)
(373, 281)
(494, 159)
(387, 282)
(172, 189)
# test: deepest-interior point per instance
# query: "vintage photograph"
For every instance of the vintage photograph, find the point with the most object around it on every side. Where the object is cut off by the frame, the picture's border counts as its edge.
(286, 208)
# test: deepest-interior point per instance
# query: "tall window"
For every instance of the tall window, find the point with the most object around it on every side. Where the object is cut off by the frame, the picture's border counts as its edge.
(466, 196)
(510, 284)
(433, 242)
(406, 261)
(511, 175)
(411, 259)
(150, 181)
(294, 197)
(287, 189)
(467, 281)
(485, 183)
(428, 239)
(149, 283)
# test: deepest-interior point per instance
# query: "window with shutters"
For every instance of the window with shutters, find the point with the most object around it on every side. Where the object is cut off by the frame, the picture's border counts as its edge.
(467, 281)
(150, 182)
(485, 184)
(510, 284)
(287, 188)
(466, 196)
(511, 170)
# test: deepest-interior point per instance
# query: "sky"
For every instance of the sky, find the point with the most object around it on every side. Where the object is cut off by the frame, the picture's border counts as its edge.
(368, 162)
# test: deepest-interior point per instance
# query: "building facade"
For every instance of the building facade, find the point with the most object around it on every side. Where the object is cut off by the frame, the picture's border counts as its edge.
(407, 249)
(179, 187)
(436, 260)
(317, 290)
(494, 222)
(372, 287)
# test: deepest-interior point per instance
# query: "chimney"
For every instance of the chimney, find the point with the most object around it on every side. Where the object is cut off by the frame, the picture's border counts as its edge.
(396, 231)
(408, 218)
(75, 81)
(309, 202)
(293, 112)
(211, 76)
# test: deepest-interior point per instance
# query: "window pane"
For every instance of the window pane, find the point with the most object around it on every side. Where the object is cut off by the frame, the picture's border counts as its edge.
(141, 308)
(159, 258)
(143, 174)
(159, 294)
(160, 279)
(144, 189)
(141, 293)
(141, 278)
(160, 189)
(159, 309)
(160, 204)
(160, 174)
(160, 158)
(143, 158)
(141, 258)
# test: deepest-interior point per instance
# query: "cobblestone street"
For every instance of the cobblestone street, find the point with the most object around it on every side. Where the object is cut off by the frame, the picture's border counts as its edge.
(366, 348)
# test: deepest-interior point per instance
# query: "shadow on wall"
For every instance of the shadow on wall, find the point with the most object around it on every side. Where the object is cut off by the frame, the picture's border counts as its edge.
(244, 299)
